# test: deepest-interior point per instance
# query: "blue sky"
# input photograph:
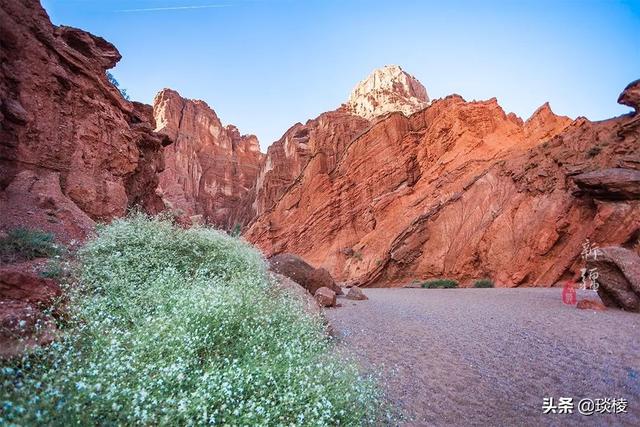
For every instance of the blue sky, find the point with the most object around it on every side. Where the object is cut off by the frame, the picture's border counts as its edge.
(265, 65)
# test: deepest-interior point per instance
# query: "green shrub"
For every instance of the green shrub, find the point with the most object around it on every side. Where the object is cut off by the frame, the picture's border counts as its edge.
(115, 82)
(483, 283)
(440, 283)
(22, 243)
(182, 327)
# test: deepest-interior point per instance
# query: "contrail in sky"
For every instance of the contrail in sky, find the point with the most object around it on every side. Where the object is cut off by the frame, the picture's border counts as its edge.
(153, 9)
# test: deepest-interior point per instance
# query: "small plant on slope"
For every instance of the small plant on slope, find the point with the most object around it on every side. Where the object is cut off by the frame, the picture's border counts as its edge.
(115, 82)
(23, 243)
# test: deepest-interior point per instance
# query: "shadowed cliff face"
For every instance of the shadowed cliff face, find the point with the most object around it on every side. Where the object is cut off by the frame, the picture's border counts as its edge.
(210, 168)
(462, 190)
(72, 150)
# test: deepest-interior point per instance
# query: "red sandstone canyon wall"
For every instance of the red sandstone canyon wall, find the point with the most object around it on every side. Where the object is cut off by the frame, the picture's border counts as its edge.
(462, 190)
(72, 150)
(210, 168)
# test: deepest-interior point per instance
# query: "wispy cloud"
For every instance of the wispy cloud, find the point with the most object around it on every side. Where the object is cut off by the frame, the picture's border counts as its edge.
(156, 9)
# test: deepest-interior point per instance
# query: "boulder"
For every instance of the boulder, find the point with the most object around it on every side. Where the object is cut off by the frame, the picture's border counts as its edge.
(613, 184)
(590, 304)
(356, 293)
(325, 297)
(310, 278)
(618, 272)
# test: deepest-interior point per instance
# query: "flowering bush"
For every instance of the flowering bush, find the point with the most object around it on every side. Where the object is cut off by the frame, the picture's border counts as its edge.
(168, 326)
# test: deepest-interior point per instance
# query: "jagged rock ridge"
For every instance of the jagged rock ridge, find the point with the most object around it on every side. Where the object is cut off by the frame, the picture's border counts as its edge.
(386, 189)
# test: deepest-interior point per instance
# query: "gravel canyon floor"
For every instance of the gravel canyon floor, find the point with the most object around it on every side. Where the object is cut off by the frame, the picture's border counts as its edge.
(489, 356)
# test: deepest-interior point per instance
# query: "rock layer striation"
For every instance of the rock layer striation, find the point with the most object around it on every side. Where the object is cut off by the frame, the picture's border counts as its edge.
(460, 190)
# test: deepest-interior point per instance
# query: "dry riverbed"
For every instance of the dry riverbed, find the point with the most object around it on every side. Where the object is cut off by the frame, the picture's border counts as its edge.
(456, 357)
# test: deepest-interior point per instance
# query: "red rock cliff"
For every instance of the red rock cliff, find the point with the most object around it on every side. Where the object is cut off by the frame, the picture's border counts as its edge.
(459, 189)
(72, 150)
(210, 168)
(320, 141)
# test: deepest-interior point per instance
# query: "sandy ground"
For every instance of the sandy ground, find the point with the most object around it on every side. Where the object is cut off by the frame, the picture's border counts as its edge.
(458, 357)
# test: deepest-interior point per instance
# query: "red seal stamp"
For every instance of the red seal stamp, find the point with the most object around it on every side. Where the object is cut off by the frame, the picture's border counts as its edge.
(569, 293)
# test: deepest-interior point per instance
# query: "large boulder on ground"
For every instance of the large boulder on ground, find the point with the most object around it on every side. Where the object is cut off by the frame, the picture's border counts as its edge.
(356, 293)
(590, 304)
(325, 297)
(618, 272)
(310, 278)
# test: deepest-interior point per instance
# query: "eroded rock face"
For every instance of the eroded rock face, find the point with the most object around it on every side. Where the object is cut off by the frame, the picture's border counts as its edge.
(72, 152)
(459, 190)
(614, 183)
(324, 138)
(386, 90)
(210, 168)
(66, 130)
